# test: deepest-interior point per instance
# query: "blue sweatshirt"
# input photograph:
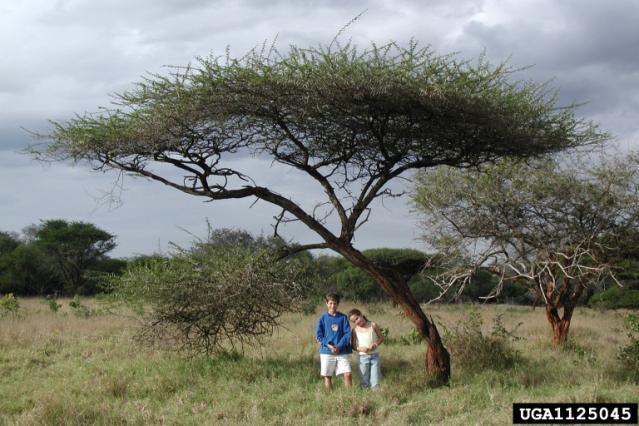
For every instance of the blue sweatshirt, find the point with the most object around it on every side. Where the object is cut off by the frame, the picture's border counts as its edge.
(334, 330)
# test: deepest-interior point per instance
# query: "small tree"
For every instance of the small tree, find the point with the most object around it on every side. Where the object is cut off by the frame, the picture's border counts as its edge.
(629, 355)
(350, 120)
(547, 226)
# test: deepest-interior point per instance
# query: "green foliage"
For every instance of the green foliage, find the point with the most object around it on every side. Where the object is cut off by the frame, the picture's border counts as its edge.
(632, 322)
(30, 271)
(309, 306)
(8, 242)
(355, 284)
(615, 298)
(423, 102)
(53, 304)
(210, 301)
(385, 332)
(625, 256)
(423, 288)
(582, 352)
(75, 303)
(411, 338)
(9, 304)
(471, 348)
(79, 309)
(629, 355)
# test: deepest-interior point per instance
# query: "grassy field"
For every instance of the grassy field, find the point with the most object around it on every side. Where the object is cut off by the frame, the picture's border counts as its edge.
(57, 368)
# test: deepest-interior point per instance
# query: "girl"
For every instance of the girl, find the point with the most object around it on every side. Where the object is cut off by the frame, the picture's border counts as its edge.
(365, 339)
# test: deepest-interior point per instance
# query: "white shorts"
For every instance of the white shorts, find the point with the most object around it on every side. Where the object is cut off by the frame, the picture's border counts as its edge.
(334, 365)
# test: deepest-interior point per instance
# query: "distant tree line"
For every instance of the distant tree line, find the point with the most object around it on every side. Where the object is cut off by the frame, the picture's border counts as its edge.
(56, 257)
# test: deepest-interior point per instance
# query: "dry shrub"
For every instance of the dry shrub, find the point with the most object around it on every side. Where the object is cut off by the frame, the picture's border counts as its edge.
(211, 301)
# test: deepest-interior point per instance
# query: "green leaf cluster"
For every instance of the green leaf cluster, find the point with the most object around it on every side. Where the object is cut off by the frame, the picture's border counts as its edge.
(366, 109)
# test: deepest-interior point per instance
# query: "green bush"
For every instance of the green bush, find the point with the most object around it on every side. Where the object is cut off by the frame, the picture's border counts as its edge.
(80, 310)
(615, 298)
(53, 304)
(355, 284)
(309, 306)
(629, 355)
(476, 351)
(411, 338)
(423, 288)
(211, 301)
(9, 304)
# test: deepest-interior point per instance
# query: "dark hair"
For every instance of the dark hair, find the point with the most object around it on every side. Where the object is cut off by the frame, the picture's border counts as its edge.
(332, 296)
(357, 312)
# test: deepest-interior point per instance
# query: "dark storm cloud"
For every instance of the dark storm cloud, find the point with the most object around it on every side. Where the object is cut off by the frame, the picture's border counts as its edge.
(580, 35)
(585, 48)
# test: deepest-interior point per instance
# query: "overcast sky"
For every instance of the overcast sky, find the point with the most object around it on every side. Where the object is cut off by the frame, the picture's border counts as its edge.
(62, 57)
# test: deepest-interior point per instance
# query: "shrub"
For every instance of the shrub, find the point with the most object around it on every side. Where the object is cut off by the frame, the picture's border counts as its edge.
(629, 355)
(53, 304)
(411, 338)
(386, 333)
(476, 351)
(213, 301)
(8, 304)
(616, 298)
(80, 310)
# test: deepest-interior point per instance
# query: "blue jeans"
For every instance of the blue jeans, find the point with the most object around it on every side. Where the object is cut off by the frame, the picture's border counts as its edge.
(369, 370)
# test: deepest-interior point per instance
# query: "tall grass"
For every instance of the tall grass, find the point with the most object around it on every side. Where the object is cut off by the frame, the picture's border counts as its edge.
(58, 368)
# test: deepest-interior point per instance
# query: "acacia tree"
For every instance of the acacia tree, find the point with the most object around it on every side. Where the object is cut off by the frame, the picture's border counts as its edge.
(350, 120)
(551, 227)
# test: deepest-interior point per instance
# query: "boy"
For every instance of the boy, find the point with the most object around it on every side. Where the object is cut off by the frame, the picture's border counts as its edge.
(333, 332)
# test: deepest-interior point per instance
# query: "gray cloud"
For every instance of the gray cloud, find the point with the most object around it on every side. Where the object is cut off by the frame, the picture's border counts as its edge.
(67, 56)
(585, 48)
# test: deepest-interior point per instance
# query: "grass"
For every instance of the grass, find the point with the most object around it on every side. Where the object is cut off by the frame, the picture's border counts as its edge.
(59, 368)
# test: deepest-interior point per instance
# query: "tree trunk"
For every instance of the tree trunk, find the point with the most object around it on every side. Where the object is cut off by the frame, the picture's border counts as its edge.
(437, 358)
(566, 299)
(559, 325)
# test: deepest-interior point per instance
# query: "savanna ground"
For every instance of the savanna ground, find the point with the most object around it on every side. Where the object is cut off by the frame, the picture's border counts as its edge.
(58, 368)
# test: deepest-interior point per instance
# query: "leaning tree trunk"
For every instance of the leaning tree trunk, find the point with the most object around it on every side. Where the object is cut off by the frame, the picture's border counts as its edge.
(437, 358)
